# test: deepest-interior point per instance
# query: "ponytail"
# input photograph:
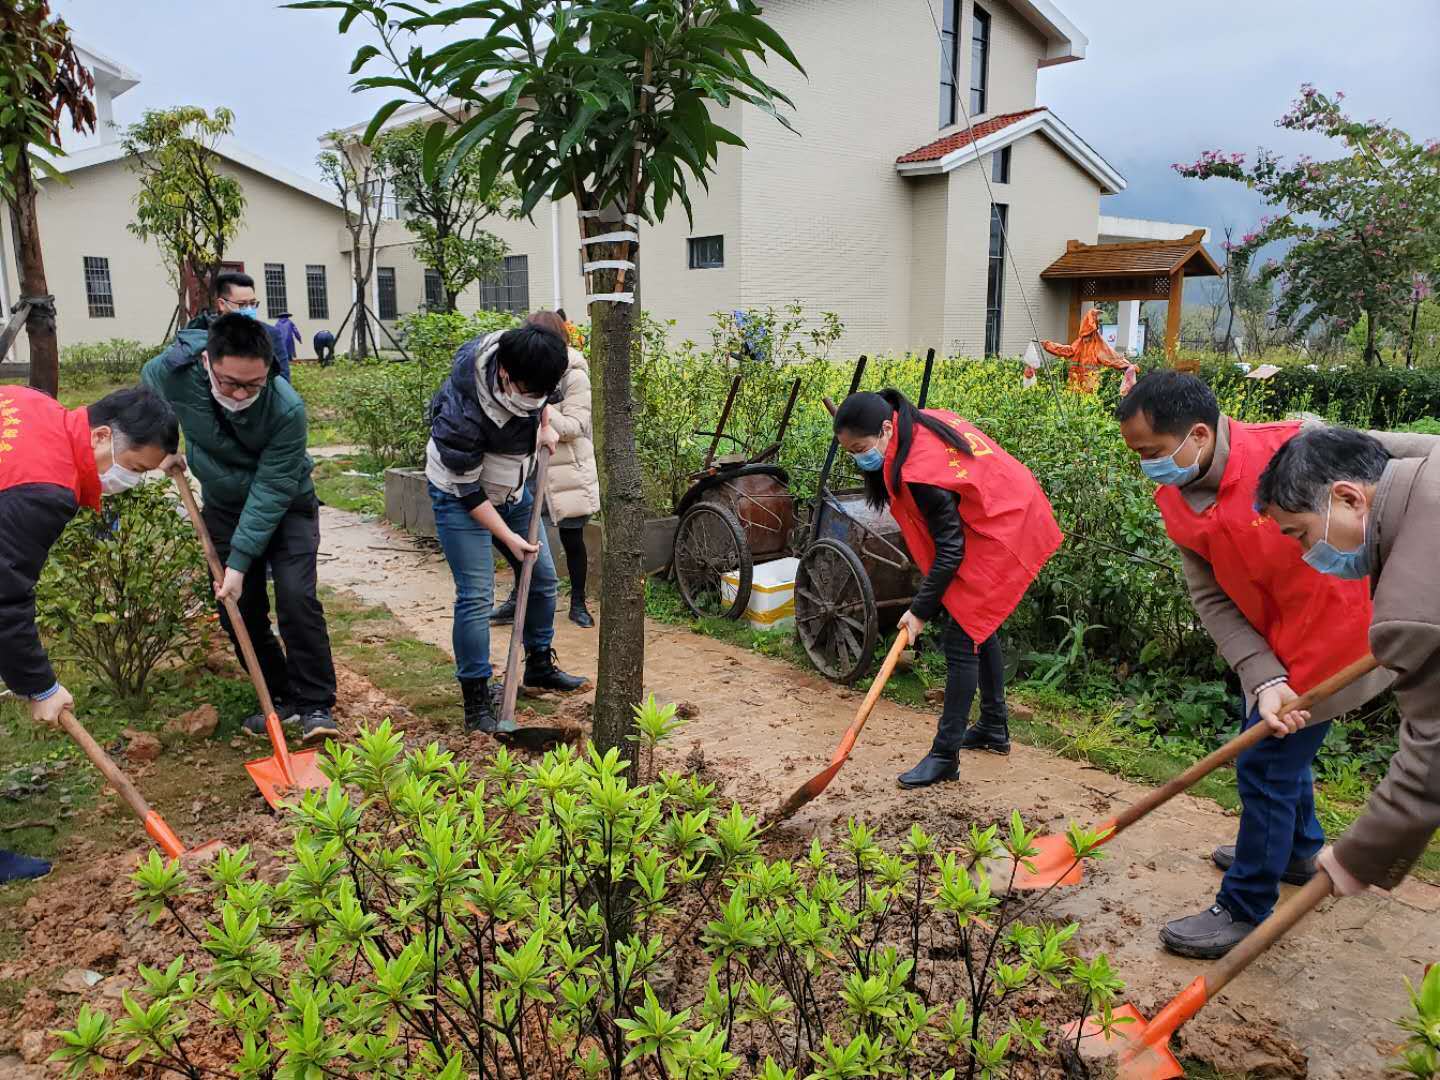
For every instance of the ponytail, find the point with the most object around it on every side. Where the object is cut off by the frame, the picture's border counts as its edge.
(866, 413)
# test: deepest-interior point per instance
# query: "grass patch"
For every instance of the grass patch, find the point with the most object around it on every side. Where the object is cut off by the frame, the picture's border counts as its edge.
(363, 494)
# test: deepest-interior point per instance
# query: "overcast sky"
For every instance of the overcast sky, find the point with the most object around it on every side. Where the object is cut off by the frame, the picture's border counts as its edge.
(1163, 80)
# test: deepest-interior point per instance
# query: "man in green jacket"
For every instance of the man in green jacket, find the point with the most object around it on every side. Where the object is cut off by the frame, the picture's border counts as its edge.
(245, 438)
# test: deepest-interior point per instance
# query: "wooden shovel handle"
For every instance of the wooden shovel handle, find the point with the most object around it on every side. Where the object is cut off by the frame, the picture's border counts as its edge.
(1251, 736)
(902, 638)
(102, 761)
(1281, 922)
(522, 590)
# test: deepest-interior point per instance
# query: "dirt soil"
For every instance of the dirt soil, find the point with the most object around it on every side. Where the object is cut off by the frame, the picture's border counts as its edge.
(1325, 996)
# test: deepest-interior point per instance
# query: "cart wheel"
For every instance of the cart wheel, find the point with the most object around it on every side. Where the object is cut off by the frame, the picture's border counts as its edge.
(835, 611)
(709, 543)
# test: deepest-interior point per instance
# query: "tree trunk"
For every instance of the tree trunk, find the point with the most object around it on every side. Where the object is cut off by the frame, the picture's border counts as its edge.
(451, 299)
(1372, 354)
(40, 323)
(1410, 341)
(620, 679)
(360, 331)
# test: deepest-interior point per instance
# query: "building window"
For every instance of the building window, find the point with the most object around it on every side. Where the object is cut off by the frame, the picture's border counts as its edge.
(949, 62)
(317, 294)
(512, 291)
(98, 293)
(385, 285)
(995, 278)
(276, 303)
(1000, 165)
(979, 61)
(434, 291)
(707, 252)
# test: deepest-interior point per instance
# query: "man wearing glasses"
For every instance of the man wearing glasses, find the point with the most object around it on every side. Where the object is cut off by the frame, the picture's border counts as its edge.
(235, 295)
(245, 437)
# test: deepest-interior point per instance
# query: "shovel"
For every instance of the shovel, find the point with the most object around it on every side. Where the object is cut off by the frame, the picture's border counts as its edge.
(1140, 1049)
(530, 737)
(820, 781)
(155, 825)
(1055, 864)
(282, 773)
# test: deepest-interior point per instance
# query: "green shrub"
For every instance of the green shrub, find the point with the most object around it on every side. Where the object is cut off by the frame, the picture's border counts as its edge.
(384, 406)
(116, 360)
(1378, 398)
(433, 337)
(552, 919)
(1420, 1056)
(124, 589)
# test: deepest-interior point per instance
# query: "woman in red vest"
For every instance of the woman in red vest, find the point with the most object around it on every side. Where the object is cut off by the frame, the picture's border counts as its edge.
(978, 525)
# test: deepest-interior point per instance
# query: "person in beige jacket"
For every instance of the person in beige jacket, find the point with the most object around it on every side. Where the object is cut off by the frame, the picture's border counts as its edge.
(572, 488)
(1357, 510)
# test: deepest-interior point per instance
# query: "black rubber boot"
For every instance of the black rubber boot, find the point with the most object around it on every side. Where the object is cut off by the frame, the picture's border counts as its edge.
(504, 614)
(933, 769)
(542, 673)
(479, 708)
(992, 737)
(580, 615)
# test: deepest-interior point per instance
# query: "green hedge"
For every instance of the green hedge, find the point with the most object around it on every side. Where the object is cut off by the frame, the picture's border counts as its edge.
(1364, 397)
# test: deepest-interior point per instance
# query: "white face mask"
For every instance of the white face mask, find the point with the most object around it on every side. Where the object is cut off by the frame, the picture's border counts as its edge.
(117, 478)
(226, 403)
(515, 402)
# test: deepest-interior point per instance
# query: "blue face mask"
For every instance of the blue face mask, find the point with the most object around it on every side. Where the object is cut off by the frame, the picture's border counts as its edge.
(1167, 470)
(871, 460)
(1328, 559)
(250, 312)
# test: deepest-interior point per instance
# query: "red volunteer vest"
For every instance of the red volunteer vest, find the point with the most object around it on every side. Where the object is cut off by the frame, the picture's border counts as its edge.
(42, 442)
(1010, 531)
(1313, 622)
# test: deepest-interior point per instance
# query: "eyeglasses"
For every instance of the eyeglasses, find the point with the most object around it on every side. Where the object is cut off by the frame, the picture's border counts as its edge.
(247, 305)
(233, 386)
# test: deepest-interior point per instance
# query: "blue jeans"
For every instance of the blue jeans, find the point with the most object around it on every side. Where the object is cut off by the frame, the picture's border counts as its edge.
(467, 547)
(1277, 819)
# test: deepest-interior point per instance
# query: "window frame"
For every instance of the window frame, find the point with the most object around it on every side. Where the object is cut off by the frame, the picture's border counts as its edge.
(980, 27)
(512, 292)
(696, 250)
(952, 18)
(316, 275)
(995, 278)
(387, 294)
(1000, 166)
(434, 290)
(272, 309)
(97, 302)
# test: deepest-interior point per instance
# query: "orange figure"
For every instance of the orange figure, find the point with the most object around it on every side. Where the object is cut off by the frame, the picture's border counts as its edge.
(1088, 353)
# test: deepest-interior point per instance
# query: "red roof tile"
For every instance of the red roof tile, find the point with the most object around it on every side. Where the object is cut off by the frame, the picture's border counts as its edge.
(956, 140)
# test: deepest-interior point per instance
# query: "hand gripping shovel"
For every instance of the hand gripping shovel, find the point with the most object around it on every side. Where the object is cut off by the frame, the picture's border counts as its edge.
(529, 737)
(283, 773)
(1056, 863)
(1140, 1050)
(820, 781)
(160, 832)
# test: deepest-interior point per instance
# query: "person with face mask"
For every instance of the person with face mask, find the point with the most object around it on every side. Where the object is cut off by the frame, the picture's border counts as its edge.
(489, 419)
(245, 439)
(235, 295)
(980, 528)
(1357, 512)
(1280, 625)
(53, 461)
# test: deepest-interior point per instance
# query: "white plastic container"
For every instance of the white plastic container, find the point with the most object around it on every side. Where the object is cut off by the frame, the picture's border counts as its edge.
(772, 593)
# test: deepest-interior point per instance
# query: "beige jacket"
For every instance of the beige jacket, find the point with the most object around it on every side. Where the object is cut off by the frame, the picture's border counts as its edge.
(1244, 649)
(1404, 810)
(572, 486)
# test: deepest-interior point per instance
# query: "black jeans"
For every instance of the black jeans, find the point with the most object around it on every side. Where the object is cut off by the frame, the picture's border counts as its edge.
(303, 675)
(965, 669)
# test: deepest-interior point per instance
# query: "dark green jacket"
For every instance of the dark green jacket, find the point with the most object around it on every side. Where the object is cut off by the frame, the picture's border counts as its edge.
(251, 463)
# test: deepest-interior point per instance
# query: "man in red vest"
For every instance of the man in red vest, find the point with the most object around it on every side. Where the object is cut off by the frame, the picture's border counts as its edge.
(53, 461)
(1280, 625)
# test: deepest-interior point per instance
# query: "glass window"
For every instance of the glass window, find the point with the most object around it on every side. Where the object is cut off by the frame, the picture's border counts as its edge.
(512, 291)
(1000, 165)
(317, 293)
(949, 61)
(707, 252)
(276, 303)
(385, 285)
(98, 294)
(995, 278)
(979, 61)
(434, 290)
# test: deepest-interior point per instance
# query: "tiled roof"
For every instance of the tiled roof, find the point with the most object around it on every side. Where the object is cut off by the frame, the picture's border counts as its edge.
(957, 140)
(1133, 259)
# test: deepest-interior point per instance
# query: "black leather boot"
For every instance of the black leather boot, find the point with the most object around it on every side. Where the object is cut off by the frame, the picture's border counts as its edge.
(933, 769)
(479, 708)
(580, 614)
(542, 673)
(990, 736)
(504, 614)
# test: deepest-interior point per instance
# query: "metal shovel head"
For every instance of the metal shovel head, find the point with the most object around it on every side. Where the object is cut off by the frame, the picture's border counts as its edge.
(1124, 1051)
(166, 840)
(269, 776)
(1053, 864)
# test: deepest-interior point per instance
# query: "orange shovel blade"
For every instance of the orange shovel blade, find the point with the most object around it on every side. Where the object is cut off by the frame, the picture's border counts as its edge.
(1055, 864)
(269, 776)
(1125, 1044)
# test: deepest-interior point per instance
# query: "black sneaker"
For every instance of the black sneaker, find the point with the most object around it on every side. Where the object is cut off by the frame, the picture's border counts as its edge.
(542, 673)
(1298, 872)
(992, 738)
(479, 705)
(17, 867)
(933, 769)
(317, 725)
(254, 726)
(1206, 936)
(504, 614)
(580, 615)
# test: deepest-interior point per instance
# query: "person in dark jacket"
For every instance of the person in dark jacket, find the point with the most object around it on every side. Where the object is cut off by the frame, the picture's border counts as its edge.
(488, 420)
(53, 461)
(245, 438)
(287, 334)
(324, 343)
(235, 295)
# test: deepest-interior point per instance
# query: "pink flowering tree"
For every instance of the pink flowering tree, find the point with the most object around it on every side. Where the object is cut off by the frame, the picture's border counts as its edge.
(1357, 228)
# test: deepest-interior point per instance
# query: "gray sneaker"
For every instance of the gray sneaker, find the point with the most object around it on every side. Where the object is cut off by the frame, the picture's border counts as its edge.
(1298, 872)
(254, 726)
(317, 725)
(1206, 936)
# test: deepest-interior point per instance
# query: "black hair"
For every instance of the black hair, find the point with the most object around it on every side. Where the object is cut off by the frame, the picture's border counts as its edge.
(227, 279)
(534, 358)
(1300, 473)
(866, 413)
(1173, 402)
(139, 417)
(561, 312)
(238, 335)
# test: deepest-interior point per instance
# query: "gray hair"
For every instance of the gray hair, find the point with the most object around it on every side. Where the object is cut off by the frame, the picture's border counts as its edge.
(1299, 476)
